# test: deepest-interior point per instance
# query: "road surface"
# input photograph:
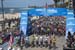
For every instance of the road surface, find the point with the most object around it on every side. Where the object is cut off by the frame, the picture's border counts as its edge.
(60, 42)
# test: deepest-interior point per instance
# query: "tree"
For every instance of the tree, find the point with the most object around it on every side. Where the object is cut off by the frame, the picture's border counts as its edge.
(56, 2)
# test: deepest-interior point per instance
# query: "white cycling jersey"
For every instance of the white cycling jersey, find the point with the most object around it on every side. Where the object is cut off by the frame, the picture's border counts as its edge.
(40, 38)
(46, 38)
(36, 38)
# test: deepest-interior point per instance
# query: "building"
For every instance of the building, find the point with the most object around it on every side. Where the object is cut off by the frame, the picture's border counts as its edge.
(73, 3)
(10, 14)
(70, 4)
(74, 6)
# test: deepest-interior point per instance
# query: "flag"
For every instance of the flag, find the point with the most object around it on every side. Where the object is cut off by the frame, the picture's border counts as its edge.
(46, 6)
(11, 40)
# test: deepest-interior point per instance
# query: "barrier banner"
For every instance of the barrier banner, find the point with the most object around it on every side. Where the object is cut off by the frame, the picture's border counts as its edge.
(70, 22)
(23, 21)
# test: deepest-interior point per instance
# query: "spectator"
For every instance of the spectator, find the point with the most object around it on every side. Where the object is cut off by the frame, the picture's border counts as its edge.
(70, 41)
(69, 35)
(27, 42)
(0, 40)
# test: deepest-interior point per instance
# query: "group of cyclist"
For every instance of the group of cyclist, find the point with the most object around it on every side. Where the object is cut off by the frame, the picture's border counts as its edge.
(36, 40)
(43, 40)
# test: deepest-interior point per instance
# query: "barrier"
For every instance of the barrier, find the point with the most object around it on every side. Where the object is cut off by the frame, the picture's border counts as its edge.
(69, 49)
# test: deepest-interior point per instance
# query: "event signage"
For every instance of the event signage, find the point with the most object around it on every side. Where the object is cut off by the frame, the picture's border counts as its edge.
(47, 12)
(23, 21)
(70, 20)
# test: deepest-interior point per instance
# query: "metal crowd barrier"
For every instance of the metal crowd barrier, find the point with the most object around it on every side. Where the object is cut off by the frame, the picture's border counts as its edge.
(69, 49)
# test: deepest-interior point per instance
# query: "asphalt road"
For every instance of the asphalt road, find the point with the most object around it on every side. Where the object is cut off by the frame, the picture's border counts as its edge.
(59, 45)
(60, 42)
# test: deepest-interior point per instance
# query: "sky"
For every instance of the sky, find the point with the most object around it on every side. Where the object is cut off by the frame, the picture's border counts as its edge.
(25, 3)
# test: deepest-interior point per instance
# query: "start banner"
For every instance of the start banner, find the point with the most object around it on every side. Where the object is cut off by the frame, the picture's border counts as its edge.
(47, 12)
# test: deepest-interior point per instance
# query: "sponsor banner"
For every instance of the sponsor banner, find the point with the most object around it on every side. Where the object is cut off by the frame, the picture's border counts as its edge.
(70, 22)
(23, 22)
(47, 12)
